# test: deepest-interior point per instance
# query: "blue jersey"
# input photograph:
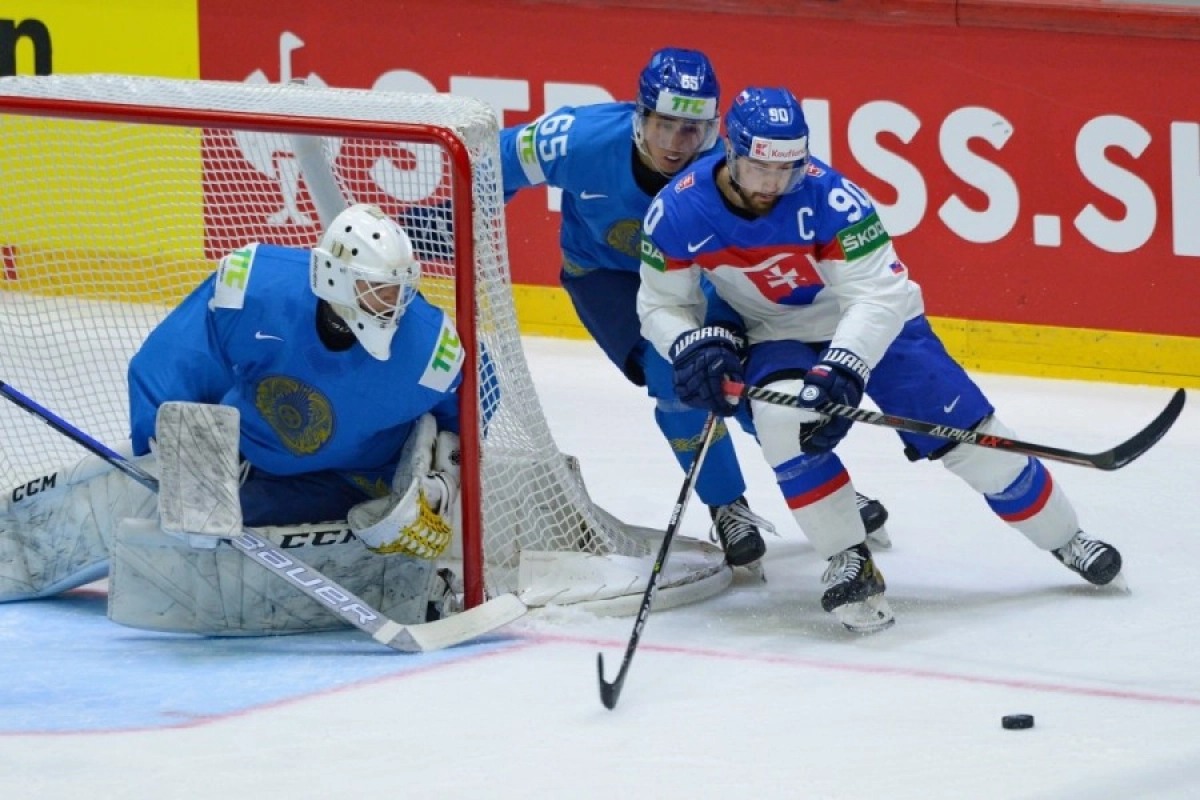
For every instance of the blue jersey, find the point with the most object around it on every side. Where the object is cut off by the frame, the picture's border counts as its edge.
(818, 267)
(247, 337)
(588, 153)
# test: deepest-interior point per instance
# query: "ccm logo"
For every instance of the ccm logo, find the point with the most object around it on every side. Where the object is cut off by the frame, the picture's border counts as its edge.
(42, 484)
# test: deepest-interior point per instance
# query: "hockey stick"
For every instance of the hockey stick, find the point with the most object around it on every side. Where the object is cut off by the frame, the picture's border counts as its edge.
(1113, 458)
(610, 692)
(419, 638)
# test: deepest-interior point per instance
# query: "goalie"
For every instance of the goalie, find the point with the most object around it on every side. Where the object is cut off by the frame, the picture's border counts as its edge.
(292, 387)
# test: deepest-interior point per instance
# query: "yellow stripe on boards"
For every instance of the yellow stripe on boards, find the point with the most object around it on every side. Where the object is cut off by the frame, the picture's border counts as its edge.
(1033, 350)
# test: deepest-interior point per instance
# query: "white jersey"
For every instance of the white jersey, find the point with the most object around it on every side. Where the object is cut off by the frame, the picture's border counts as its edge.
(818, 268)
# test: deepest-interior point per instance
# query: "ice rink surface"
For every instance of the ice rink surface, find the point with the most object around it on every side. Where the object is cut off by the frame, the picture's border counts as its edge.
(754, 693)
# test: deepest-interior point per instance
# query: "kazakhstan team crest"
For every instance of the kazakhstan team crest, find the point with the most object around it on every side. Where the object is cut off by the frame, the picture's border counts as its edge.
(692, 443)
(625, 236)
(299, 414)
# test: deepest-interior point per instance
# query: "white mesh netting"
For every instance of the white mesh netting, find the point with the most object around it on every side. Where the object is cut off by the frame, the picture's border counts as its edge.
(107, 220)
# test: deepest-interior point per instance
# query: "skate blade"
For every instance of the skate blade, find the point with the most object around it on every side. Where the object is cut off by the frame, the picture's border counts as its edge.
(1118, 585)
(878, 539)
(754, 570)
(870, 616)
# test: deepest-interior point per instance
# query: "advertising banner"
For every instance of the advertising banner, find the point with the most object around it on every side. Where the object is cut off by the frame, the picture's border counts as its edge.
(128, 37)
(1032, 178)
(63, 166)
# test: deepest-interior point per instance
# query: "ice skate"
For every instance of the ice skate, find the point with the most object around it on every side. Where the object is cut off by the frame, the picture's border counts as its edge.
(1095, 561)
(855, 590)
(874, 517)
(737, 529)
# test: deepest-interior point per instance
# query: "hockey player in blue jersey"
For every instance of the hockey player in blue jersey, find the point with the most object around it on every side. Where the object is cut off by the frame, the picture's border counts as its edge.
(798, 250)
(345, 379)
(610, 159)
(330, 355)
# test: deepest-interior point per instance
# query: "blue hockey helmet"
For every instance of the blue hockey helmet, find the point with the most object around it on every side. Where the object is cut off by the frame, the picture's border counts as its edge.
(680, 88)
(767, 141)
(680, 83)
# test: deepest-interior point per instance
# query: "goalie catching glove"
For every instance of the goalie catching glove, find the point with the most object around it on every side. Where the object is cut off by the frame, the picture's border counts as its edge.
(416, 517)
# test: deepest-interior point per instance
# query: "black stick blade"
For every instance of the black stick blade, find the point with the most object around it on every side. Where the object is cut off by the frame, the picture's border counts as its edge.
(1144, 439)
(609, 692)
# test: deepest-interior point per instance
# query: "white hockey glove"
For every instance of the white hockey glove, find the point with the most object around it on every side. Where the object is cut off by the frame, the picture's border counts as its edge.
(416, 517)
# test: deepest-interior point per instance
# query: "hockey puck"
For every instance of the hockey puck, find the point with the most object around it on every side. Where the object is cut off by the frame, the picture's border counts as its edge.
(1016, 722)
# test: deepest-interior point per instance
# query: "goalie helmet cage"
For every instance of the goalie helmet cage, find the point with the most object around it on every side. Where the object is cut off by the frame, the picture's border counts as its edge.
(121, 193)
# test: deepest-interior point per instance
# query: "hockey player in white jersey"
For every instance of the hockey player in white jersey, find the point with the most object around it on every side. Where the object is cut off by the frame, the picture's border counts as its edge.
(798, 250)
(345, 380)
(609, 160)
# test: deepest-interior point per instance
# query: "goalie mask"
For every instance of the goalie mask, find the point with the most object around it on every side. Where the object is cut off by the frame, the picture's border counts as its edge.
(767, 141)
(365, 269)
(676, 112)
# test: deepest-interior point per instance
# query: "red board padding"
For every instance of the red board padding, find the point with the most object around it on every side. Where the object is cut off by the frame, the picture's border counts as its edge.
(1035, 177)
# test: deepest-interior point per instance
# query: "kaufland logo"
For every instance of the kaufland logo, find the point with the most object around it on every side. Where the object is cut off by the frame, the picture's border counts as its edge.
(779, 149)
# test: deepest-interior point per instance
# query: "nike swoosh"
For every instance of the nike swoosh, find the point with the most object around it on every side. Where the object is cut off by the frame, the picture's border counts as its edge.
(590, 196)
(950, 407)
(261, 335)
(694, 247)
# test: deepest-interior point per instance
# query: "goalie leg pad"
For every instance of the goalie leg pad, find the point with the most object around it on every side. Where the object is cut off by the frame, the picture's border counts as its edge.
(60, 536)
(160, 583)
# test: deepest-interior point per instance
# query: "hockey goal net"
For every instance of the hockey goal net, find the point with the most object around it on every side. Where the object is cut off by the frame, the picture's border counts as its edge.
(119, 195)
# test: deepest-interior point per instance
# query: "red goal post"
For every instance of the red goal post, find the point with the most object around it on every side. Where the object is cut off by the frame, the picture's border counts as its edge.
(120, 193)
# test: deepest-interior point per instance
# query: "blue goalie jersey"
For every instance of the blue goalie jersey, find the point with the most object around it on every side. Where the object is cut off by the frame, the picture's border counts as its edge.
(247, 337)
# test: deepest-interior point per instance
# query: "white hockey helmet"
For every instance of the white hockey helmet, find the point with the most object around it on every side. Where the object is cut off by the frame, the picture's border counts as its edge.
(365, 269)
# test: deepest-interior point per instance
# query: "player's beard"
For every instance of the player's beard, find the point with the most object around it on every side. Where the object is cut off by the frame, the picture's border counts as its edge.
(756, 203)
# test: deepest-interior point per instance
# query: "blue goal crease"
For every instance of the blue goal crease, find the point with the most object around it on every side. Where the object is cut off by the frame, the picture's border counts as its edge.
(68, 669)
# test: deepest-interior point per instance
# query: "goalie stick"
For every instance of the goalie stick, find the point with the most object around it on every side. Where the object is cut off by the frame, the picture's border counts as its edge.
(419, 638)
(1111, 459)
(611, 692)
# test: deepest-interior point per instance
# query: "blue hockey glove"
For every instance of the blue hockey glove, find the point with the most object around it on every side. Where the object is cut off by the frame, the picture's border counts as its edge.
(702, 358)
(838, 378)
